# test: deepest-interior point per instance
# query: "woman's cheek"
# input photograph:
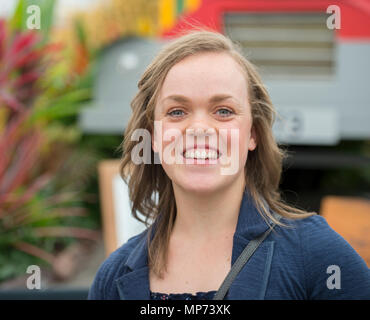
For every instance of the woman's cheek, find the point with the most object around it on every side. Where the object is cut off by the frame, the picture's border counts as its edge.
(171, 136)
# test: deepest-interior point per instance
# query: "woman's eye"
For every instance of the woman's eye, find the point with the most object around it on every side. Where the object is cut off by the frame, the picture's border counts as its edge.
(224, 112)
(176, 113)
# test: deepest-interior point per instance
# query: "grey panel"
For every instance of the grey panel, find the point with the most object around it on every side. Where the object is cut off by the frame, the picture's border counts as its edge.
(120, 68)
(347, 92)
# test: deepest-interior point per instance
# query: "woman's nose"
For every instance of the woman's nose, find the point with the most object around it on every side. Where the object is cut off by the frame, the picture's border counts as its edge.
(200, 128)
(201, 132)
(199, 123)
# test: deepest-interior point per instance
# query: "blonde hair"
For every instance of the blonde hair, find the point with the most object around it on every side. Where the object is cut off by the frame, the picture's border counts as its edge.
(264, 164)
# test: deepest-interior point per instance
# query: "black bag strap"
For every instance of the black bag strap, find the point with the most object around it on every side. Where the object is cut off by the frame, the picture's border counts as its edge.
(241, 261)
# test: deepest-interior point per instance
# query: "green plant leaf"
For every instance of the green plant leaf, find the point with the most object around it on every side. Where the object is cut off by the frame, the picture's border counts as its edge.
(65, 105)
(18, 21)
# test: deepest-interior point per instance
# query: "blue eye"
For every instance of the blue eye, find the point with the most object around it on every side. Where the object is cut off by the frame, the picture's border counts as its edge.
(175, 113)
(225, 114)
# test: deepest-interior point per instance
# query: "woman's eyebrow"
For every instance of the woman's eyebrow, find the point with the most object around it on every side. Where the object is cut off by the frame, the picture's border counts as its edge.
(214, 99)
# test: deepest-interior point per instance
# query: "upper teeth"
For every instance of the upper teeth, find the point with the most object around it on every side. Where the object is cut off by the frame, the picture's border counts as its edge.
(201, 153)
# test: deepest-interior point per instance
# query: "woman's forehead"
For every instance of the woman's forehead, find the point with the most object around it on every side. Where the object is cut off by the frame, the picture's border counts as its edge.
(205, 74)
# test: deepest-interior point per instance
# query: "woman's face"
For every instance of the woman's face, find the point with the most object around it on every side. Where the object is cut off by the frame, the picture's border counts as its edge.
(203, 120)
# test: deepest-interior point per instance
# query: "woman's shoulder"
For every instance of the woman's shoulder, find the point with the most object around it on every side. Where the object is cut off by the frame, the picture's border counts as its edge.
(314, 235)
(314, 228)
(311, 221)
(322, 252)
(318, 243)
(113, 267)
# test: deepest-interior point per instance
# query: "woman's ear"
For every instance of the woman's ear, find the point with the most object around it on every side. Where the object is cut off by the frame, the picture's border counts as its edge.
(253, 140)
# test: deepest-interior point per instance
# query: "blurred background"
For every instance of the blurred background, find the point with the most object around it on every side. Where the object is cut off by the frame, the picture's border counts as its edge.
(68, 71)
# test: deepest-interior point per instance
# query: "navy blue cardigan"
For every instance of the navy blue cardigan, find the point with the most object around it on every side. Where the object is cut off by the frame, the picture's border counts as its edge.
(292, 263)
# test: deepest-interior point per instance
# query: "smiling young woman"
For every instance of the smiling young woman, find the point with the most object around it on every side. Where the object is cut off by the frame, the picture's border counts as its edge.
(201, 89)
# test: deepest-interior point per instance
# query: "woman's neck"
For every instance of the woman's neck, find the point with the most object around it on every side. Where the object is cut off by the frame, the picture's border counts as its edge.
(205, 216)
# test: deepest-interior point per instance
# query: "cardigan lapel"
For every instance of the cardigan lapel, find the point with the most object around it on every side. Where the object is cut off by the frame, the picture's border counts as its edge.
(251, 282)
(134, 285)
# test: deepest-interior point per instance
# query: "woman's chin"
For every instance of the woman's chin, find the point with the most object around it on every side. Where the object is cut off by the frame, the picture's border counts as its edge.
(200, 184)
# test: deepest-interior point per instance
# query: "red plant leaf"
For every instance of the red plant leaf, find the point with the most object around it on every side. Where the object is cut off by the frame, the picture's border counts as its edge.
(10, 137)
(26, 78)
(61, 197)
(28, 58)
(26, 157)
(53, 47)
(11, 101)
(73, 232)
(23, 41)
(34, 251)
(2, 36)
(37, 185)
(21, 46)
